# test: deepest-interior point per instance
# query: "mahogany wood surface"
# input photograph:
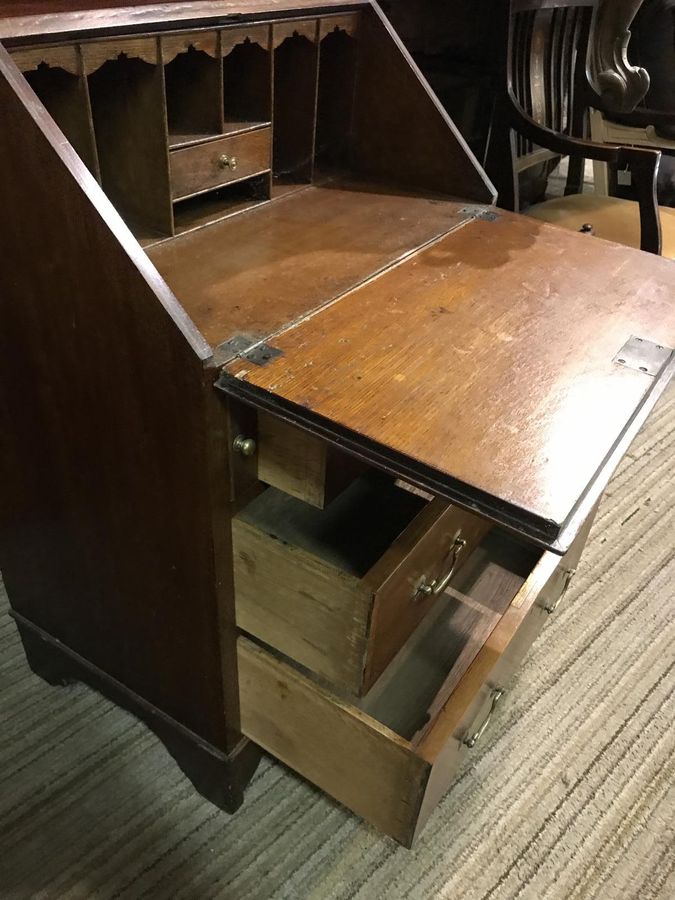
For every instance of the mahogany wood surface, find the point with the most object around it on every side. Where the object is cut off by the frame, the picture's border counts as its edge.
(467, 352)
(130, 124)
(485, 358)
(401, 132)
(424, 552)
(110, 485)
(66, 97)
(267, 267)
(295, 89)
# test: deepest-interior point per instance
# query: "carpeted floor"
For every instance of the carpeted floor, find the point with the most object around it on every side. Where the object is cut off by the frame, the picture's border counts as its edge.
(574, 796)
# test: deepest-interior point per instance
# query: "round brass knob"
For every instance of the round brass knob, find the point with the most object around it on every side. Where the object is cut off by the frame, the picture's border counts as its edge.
(228, 162)
(245, 446)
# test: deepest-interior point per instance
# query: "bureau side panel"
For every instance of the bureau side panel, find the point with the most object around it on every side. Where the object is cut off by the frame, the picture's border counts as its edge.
(401, 133)
(105, 510)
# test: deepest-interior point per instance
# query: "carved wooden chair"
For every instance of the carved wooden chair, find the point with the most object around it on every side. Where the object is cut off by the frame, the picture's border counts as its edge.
(652, 123)
(542, 112)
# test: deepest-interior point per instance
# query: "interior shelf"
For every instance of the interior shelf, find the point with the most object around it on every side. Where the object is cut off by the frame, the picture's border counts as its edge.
(144, 109)
(193, 87)
(219, 204)
(178, 140)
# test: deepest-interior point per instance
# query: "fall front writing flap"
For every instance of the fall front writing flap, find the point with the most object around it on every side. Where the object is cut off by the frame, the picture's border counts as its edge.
(486, 368)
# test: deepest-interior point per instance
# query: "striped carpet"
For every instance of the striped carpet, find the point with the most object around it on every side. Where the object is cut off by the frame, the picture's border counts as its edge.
(574, 797)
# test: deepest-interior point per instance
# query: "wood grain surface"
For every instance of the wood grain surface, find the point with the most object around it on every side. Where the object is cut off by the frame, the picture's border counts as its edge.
(267, 267)
(401, 131)
(109, 481)
(301, 464)
(345, 752)
(487, 359)
(306, 579)
(127, 101)
(423, 552)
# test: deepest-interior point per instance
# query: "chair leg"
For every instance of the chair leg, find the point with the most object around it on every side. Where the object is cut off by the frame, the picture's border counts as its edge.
(644, 166)
(600, 178)
(575, 175)
(500, 158)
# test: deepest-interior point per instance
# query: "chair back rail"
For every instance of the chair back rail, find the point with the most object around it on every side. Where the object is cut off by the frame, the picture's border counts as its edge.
(547, 62)
(551, 49)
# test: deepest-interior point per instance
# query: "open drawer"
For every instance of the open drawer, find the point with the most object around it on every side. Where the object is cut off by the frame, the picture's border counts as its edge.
(391, 757)
(340, 590)
(300, 464)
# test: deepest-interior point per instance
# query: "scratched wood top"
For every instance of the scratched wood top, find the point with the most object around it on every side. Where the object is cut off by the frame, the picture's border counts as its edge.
(259, 271)
(486, 360)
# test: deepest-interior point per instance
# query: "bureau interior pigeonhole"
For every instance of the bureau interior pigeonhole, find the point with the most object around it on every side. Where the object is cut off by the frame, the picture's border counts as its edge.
(306, 435)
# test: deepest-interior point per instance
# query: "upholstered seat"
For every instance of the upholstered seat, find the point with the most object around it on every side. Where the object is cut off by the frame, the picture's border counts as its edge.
(610, 217)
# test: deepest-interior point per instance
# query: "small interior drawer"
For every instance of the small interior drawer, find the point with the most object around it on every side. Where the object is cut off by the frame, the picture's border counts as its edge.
(214, 163)
(301, 464)
(390, 756)
(340, 590)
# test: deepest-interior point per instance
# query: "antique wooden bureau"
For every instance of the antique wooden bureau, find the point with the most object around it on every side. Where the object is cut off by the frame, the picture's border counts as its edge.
(301, 438)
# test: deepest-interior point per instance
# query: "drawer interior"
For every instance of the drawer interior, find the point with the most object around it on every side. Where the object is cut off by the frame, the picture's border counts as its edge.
(351, 533)
(391, 755)
(340, 589)
(306, 579)
(432, 662)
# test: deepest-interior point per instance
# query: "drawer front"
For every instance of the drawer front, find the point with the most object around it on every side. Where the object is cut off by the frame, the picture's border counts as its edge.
(340, 626)
(393, 780)
(549, 600)
(547, 603)
(363, 765)
(301, 464)
(413, 575)
(216, 163)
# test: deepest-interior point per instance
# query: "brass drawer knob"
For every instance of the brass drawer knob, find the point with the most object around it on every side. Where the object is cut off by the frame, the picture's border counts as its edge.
(245, 446)
(438, 585)
(228, 162)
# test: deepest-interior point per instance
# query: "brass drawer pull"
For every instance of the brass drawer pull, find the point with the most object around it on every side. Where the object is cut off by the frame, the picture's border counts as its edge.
(438, 585)
(551, 607)
(473, 739)
(228, 162)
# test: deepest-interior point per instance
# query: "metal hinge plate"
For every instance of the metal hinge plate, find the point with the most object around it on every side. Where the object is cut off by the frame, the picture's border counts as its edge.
(643, 355)
(486, 213)
(247, 347)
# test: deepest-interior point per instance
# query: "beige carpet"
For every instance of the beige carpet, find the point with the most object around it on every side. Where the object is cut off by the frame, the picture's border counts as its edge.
(574, 797)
